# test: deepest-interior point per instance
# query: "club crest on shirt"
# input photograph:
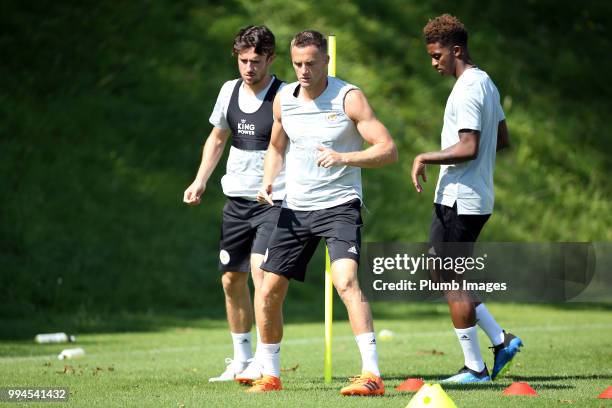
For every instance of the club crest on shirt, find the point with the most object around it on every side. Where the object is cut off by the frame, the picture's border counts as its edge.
(332, 117)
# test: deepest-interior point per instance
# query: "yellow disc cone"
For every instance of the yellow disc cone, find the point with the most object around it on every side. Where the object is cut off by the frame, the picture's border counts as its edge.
(431, 396)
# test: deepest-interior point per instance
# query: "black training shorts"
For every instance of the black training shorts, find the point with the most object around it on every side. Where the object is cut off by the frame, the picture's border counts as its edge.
(448, 226)
(453, 235)
(297, 234)
(246, 229)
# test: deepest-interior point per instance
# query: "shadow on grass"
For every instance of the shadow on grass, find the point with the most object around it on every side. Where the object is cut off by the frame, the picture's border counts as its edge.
(119, 322)
(336, 388)
(98, 321)
(341, 381)
(559, 377)
(580, 306)
(428, 378)
(497, 386)
(297, 310)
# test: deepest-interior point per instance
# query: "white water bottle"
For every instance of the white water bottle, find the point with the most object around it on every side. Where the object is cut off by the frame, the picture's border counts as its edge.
(54, 338)
(69, 354)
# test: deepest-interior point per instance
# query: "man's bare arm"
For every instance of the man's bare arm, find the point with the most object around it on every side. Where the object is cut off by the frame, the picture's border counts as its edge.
(382, 150)
(503, 138)
(211, 154)
(275, 156)
(465, 150)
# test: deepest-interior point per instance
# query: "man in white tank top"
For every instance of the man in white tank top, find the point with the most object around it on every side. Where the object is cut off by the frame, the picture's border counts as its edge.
(474, 129)
(244, 110)
(320, 124)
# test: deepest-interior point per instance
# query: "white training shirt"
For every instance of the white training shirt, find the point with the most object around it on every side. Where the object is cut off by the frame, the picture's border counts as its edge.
(321, 122)
(473, 104)
(244, 169)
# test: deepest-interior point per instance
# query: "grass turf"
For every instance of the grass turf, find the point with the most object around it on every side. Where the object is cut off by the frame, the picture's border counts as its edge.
(566, 359)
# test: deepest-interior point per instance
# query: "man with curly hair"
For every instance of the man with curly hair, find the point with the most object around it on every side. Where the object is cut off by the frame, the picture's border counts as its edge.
(474, 129)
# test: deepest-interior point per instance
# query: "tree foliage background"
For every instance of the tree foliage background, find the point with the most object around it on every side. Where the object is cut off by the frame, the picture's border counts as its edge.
(104, 109)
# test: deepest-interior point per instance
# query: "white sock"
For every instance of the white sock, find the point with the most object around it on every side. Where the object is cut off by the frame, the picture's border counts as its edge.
(468, 339)
(269, 357)
(258, 346)
(242, 346)
(369, 357)
(487, 322)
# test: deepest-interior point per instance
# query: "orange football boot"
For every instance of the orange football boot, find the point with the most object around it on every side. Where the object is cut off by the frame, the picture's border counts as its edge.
(265, 384)
(364, 384)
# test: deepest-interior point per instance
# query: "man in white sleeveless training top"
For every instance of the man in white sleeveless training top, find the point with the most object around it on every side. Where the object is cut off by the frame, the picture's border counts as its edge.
(320, 124)
(244, 110)
(474, 129)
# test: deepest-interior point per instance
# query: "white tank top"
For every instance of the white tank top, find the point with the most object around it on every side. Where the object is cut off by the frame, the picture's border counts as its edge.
(321, 122)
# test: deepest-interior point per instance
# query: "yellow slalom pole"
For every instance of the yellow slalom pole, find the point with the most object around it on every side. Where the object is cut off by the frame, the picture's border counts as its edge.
(329, 309)
(329, 286)
(331, 46)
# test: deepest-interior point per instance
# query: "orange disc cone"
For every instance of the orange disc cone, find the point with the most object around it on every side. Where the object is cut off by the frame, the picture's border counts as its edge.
(520, 388)
(607, 394)
(410, 385)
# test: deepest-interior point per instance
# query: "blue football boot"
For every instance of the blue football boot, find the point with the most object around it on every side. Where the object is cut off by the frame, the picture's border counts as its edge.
(468, 376)
(504, 353)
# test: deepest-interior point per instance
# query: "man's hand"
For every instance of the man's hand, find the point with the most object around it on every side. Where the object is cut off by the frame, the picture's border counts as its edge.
(264, 195)
(328, 158)
(194, 192)
(418, 169)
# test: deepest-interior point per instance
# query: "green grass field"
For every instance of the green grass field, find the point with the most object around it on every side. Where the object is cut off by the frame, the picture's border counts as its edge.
(567, 359)
(104, 109)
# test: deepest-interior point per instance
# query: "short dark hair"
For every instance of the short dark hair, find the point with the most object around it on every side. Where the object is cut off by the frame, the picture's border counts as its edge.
(258, 37)
(310, 37)
(447, 30)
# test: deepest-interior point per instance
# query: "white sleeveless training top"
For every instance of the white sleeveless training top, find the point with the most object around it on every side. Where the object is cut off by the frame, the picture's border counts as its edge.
(321, 122)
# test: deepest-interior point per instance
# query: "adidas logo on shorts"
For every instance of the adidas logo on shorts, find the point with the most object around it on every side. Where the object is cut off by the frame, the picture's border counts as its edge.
(353, 250)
